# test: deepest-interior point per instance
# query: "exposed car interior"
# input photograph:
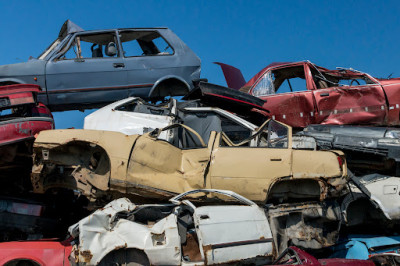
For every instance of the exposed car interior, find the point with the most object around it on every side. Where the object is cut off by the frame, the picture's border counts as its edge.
(144, 43)
(289, 79)
(101, 45)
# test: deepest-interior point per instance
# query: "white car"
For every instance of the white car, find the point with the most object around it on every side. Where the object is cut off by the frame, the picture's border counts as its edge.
(132, 116)
(179, 233)
(380, 197)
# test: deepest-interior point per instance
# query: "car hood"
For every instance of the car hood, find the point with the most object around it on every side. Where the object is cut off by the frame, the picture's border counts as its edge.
(32, 67)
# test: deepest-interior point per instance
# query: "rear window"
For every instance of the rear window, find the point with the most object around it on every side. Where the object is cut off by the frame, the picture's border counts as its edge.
(144, 43)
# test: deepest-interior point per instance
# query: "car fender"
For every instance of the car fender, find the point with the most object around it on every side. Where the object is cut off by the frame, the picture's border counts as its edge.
(14, 80)
(21, 256)
(159, 81)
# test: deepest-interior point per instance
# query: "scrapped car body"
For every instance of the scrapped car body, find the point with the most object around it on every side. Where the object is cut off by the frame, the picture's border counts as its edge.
(174, 234)
(135, 116)
(301, 93)
(295, 256)
(367, 148)
(382, 199)
(86, 69)
(43, 252)
(99, 163)
(363, 247)
(21, 118)
(310, 225)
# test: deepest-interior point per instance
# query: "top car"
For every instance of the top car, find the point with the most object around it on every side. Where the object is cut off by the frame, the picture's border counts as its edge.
(301, 93)
(88, 69)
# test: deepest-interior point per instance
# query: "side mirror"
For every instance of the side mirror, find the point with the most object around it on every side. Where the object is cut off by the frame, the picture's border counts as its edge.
(111, 49)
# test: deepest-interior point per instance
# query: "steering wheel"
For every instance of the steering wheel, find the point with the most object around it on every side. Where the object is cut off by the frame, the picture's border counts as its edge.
(351, 82)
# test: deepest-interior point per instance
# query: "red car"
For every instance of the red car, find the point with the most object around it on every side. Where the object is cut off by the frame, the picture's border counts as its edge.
(296, 256)
(34, 253)
(302, 93)
(21, 118)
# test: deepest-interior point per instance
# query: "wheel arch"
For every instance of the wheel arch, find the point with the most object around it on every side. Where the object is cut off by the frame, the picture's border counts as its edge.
(29, 259)
(160, 88)
(279, 186)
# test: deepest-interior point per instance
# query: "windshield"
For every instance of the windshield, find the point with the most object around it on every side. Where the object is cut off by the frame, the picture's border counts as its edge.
(49, 49)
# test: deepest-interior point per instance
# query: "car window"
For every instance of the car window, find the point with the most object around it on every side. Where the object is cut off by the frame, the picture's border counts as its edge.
(274, 135)
(235, 132)
(290, 79)
(97, 46)
(144, 43)
(325, 80)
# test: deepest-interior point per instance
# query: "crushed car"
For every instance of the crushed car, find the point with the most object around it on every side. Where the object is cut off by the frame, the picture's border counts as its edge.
(309, 225)
(102, 164)
(136, 116)
(175, 233)
(22, 117)
(34, 253)
(87, 69)
(302, 93)
(368, 149)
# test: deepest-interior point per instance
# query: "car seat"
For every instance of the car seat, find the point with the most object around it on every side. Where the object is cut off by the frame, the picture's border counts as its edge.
(97, 52)
(111, 49)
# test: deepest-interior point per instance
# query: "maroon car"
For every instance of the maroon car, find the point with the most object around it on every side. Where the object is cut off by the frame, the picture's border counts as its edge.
(301, 93)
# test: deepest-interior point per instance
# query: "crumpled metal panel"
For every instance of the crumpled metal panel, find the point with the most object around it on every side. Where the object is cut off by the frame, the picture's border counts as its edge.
(311, 225)
(351, 105)
(384, 191)
(102, 232)
(127, 122)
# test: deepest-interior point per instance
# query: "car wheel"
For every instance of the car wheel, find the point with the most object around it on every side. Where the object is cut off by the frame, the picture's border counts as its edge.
(128, 257)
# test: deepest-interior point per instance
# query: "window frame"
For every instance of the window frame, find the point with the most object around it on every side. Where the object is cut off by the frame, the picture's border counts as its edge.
(150, 55)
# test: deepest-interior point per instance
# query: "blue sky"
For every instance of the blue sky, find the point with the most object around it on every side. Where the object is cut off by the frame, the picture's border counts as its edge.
(364, 35)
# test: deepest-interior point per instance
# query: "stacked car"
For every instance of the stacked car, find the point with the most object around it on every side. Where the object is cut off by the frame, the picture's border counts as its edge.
(255, 174)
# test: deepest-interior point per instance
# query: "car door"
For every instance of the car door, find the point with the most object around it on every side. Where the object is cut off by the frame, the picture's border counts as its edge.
(250, 171)
(232, 233)
(158, 166)
(287, 95)
(147, 57)
(351, 104)
(88, 70)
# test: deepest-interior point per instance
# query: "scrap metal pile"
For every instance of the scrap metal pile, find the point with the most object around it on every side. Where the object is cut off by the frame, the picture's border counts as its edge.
(248, 175)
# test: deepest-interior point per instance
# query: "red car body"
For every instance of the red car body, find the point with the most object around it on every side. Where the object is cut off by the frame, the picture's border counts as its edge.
(23, 117)
(44, 252)
(295, 256)
(321, 96)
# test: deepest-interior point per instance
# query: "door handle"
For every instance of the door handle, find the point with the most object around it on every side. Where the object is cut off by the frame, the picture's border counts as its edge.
(79, 60)
(119, 65)
(275, 159)
(204, 216)
(324, 94)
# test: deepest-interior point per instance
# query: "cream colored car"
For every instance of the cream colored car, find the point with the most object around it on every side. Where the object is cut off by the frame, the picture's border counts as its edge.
(263, 167)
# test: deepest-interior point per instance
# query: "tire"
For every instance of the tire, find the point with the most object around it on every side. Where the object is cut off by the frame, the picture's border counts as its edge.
(128, 257)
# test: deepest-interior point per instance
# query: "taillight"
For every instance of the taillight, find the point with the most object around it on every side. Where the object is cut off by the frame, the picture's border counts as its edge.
(340, 160)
